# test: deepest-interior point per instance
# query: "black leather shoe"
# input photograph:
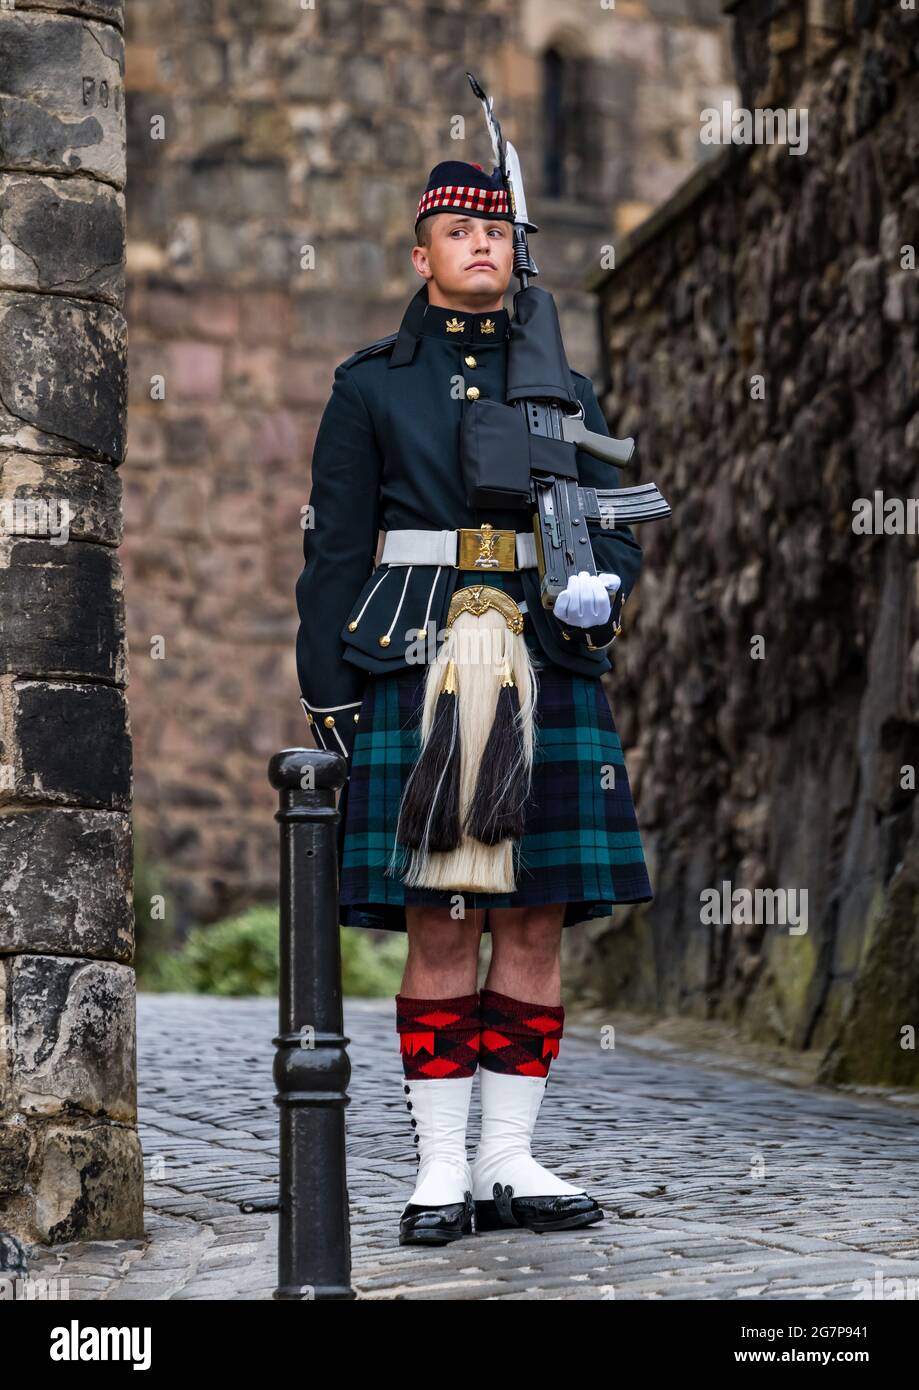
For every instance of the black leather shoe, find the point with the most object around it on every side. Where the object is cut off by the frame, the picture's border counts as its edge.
(436, 1225)
(541, 1214)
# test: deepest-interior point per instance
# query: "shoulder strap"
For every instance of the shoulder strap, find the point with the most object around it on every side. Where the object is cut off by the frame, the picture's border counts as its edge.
(370, 350)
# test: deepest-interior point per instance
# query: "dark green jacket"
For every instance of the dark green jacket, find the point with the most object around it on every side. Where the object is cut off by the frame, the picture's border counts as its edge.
(387, 457)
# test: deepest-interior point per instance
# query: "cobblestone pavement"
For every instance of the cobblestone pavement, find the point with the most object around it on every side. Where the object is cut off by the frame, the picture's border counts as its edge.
(717, 1184)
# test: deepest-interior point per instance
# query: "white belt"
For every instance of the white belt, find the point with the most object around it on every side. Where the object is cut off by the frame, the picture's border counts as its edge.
(417, 547)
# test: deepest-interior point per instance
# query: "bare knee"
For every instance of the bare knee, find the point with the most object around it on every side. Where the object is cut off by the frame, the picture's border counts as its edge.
(526, 945)
(443, 952)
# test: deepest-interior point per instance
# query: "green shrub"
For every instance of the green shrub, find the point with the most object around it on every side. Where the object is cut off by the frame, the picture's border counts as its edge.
(236, 956)
(371, 969)
(239, 956)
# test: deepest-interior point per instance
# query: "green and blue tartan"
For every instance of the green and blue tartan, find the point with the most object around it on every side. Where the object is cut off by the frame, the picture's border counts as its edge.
(581, 844)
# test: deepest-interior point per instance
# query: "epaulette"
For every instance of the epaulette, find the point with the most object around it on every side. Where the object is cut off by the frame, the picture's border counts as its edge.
(370, 350)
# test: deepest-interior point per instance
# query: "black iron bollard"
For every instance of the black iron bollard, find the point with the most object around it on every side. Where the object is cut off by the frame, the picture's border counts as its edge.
(311, 1065)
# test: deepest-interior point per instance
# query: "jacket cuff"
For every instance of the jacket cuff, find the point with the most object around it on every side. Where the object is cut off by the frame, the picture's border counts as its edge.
(334, 726)
(600, 636)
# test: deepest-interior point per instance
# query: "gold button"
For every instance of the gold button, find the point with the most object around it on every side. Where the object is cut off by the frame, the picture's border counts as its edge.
(384, 641)
(309, 718)
(470, 362)
(352, 626)
(356, 718)
(472, 393)
(329, 722)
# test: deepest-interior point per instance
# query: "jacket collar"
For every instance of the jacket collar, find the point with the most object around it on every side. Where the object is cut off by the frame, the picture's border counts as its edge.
(454, 326)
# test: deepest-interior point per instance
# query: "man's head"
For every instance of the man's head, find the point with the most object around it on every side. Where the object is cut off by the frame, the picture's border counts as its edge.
(464, 235)
(464, 258)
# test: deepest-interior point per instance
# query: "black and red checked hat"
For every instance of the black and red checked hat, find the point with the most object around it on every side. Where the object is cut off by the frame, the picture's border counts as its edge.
(457, 187)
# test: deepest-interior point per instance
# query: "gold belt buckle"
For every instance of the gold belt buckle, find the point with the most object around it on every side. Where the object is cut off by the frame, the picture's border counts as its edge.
(484, 548)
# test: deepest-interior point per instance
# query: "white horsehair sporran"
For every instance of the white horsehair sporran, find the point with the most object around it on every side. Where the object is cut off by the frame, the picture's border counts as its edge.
(463, 806)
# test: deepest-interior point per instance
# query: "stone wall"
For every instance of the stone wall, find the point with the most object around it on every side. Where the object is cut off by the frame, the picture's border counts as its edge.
(255, 131)
(761, 332)
(70, 1159)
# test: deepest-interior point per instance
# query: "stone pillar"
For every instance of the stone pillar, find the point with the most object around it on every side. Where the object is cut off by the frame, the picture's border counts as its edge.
(70, 1159)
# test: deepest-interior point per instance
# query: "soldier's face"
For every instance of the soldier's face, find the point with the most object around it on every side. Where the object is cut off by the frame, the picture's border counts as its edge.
(468, 256)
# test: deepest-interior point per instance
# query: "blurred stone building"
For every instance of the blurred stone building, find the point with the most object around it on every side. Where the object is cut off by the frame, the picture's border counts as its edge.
(276, 153)
(762, 331)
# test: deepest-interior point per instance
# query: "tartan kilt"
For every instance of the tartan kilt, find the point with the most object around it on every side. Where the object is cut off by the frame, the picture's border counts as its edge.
(581, 844)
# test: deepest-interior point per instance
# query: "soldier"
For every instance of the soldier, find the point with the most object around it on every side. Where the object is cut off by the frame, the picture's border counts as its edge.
(387, 458)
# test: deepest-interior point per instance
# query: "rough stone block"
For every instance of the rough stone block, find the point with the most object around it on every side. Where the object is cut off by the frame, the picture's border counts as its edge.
(72, 1044)
(865, 283)
(64, 744)
(65, 234)
(109, 11)
(61, 610)
(195, 371)
(88, 1182)
(876, 90)
(66, 885)
(218, 186)
(90, 489)
(15, 1147)
(62, 374)
(310, 76)
(61, 95)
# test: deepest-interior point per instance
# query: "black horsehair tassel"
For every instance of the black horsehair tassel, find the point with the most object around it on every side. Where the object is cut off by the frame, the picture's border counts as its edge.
(497, 810)
(430, 809)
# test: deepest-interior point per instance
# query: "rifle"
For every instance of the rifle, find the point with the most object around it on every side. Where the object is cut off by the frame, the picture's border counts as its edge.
(523, 453)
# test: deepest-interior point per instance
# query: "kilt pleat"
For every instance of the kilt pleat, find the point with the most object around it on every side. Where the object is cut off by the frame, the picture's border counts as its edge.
(581, 844)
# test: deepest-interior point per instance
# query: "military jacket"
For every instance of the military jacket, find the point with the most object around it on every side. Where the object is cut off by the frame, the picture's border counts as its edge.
(386, 457)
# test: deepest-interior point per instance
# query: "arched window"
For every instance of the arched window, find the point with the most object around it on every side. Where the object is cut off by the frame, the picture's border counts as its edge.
(570, 131)
(553, 123)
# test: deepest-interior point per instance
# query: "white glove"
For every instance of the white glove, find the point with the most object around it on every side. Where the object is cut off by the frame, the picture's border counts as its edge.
(586, 601)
